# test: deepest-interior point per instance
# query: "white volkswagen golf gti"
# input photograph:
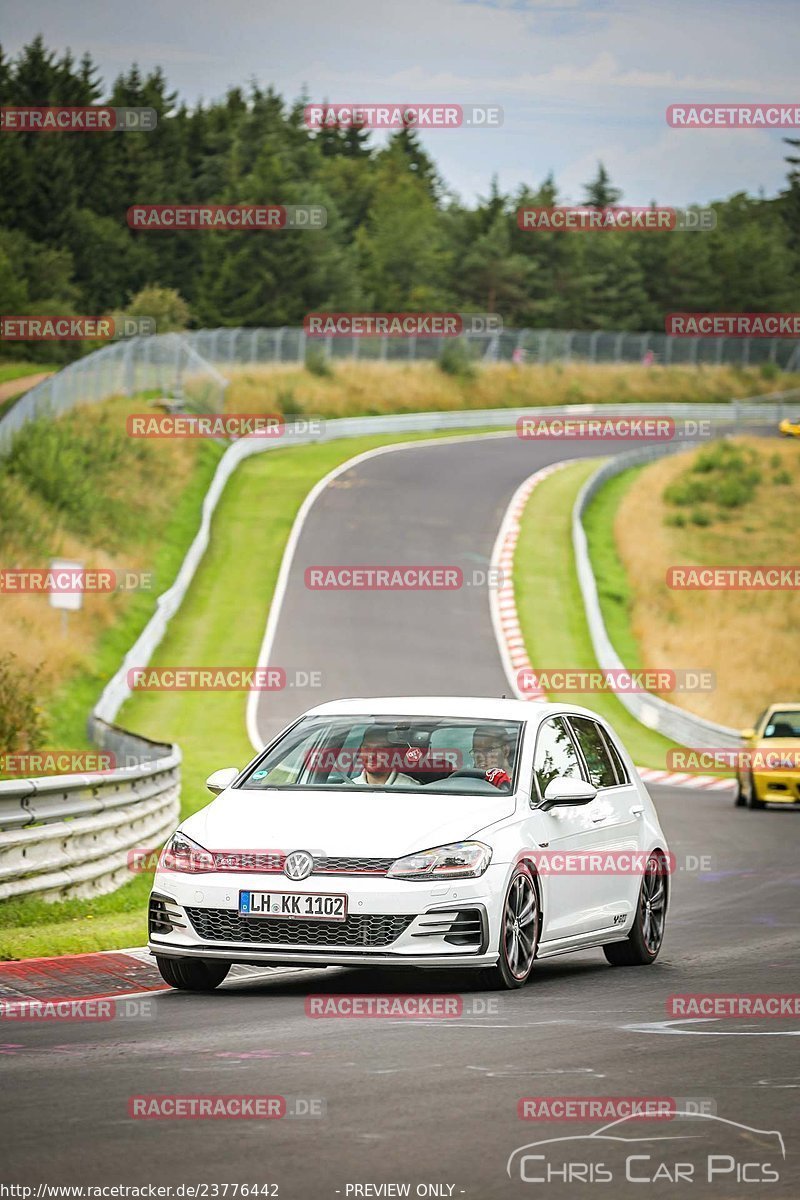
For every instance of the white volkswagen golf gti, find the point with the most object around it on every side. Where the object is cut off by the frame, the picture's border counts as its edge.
(418, 832)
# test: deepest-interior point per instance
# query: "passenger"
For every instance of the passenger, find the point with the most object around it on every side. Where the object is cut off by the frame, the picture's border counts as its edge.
(491, 753)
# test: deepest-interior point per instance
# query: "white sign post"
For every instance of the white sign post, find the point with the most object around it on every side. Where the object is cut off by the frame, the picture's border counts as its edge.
(65, 600)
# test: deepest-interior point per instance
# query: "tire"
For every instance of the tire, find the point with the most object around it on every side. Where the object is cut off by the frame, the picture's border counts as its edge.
(519, 938)
(192, 974)
(749, 792)
(741, 798)
(643, 943)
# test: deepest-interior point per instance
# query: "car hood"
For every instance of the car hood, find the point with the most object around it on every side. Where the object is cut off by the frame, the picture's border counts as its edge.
(369, 824)
(788, 746)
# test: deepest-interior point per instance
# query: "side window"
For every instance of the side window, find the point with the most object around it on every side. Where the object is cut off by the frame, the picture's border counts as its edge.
(622, 772)
(555, 755)
(593, 745)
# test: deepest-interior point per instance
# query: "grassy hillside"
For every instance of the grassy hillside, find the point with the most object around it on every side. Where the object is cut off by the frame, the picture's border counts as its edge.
(733, 503)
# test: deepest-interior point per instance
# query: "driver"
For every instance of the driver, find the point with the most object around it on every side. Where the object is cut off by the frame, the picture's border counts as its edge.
(378, 762)
(491, 753)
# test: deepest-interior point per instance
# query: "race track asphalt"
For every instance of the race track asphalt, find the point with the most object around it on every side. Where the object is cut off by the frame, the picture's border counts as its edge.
(434, 1102)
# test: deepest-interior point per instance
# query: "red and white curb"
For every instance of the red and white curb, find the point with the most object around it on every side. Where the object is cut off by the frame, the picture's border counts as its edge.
(99, 975)
(711, 783)
(30, 983)
(511, 642)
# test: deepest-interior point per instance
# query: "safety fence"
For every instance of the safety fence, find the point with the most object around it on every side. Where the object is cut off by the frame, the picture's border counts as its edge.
(188, 368)
(237, 347)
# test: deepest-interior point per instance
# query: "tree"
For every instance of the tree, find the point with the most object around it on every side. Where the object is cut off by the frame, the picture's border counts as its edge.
(599, 192)
(791, 196)
(493, 276)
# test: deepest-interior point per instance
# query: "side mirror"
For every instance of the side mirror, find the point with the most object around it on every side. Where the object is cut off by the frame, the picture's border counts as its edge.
(748, 734)
(572, 792)
(221, 779)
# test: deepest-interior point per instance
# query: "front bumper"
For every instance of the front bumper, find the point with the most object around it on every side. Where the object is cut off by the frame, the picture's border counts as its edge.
(777, 787)
(390, 921)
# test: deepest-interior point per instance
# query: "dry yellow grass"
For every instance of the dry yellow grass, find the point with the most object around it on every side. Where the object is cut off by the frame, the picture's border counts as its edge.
(356, 389)
(149, 481)
(750, 639)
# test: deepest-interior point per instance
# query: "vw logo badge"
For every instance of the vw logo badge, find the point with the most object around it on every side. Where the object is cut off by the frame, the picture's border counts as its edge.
(298, 865)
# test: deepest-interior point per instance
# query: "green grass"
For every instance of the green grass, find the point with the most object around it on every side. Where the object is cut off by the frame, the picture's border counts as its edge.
(12, 371)
(19, 370)
(550, 606)
(221, 622)
(612, 581)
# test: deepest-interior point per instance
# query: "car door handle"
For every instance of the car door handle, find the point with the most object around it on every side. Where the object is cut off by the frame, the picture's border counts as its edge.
(637, 810)
(597, 820)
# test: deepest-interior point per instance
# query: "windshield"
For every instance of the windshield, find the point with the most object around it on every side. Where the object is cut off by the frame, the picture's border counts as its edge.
(379, 753)
(783, 725)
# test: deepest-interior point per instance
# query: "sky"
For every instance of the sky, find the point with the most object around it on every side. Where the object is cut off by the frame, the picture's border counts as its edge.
(579, 81)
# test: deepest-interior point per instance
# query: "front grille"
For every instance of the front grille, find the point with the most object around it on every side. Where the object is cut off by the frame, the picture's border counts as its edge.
(351, 866)
(242, 860)
(227, 925)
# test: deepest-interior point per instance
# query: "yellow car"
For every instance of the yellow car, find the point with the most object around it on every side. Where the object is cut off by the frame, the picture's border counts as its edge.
(770, 770)
(790, 426)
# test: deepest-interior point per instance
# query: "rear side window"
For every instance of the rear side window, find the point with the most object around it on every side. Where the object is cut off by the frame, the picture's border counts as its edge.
(622, 774)
(593, 745)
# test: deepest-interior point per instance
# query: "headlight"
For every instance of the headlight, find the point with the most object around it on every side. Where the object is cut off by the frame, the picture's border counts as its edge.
(459, 860)
(182, 854)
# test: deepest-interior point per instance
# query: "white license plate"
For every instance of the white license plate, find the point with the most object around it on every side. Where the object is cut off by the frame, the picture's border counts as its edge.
(294, 906)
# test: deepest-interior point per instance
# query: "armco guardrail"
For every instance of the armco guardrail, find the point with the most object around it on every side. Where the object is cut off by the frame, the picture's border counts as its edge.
(69, 835)
(72, 835)
(652, 711)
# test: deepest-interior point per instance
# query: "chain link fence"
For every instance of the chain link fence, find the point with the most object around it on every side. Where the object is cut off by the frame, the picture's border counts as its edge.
(188, 368)
(166, 364)
(290, 345)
